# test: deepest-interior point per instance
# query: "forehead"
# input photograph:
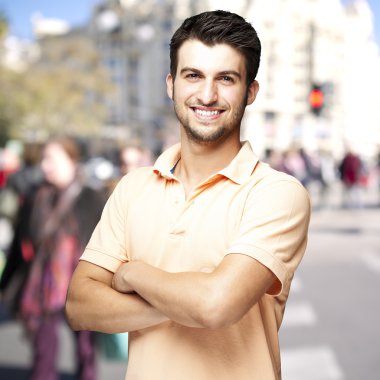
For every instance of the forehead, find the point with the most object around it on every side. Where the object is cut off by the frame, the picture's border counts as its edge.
(216, 58)
(55, 150)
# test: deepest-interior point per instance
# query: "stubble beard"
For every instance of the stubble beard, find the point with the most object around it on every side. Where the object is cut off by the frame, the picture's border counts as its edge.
(212, 134)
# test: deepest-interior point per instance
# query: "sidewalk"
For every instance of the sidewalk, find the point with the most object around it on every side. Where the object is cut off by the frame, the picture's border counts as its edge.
(15, 354)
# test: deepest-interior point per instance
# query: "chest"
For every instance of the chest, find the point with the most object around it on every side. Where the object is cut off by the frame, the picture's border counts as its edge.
(177, 234)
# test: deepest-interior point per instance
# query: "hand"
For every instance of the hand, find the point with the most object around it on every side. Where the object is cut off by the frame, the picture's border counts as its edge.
(119, 281)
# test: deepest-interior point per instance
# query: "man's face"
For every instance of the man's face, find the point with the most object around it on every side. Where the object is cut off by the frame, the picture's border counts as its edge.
(210, 92)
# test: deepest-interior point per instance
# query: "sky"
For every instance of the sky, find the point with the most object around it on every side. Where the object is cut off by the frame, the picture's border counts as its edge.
(77, 12)
(19, 13)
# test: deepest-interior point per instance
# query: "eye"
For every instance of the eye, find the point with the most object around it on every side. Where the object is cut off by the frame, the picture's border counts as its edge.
(227, 79)
(192, 76)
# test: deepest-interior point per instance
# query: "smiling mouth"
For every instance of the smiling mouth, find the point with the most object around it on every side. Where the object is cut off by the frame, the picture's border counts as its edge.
(207, 113)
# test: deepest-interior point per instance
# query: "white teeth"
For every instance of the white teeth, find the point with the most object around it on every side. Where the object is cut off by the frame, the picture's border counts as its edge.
(206, 113)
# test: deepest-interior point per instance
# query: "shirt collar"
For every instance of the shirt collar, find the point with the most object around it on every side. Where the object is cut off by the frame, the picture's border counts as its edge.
(238, 170)
(167, 160)
(241, 167)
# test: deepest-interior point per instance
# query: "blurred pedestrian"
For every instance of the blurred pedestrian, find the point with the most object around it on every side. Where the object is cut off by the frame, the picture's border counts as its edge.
(29, 175)
(9, 164)
(195, 256)
(275, 159)
(19, 183)
(54, 225)
(328, 176)
(131, 157)
(350, 170)
(294, 164)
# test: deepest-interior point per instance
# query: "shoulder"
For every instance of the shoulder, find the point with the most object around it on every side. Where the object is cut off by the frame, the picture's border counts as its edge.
(271, 185)
(265, 175)
(130, 186)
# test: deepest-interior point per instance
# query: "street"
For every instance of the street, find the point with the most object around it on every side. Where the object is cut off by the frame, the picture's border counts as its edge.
(330, 330)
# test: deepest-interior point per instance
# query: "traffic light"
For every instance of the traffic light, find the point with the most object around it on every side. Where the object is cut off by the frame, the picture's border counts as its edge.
(316, 100)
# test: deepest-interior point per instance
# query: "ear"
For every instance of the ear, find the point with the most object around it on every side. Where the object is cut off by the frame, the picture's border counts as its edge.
(169, 86)
(253, 89)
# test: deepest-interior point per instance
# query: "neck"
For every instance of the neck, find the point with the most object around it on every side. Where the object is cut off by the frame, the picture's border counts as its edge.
(200, 161)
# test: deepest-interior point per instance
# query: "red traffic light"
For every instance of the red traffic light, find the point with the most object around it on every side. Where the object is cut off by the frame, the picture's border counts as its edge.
(316, 98)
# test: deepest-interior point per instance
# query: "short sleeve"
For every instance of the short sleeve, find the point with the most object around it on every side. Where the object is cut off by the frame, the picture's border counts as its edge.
(273, 228)
(107, 245)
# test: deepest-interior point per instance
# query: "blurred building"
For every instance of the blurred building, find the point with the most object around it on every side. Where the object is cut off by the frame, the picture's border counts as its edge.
(303, 48)
(133, 40)
(44, 27)
(307, 44)
(360, 95)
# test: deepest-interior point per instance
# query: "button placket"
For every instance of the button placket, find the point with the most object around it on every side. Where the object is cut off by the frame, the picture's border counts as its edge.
(184, 208)
(177, 205)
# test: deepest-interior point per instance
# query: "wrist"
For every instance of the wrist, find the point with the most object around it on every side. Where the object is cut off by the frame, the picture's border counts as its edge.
(132, 272)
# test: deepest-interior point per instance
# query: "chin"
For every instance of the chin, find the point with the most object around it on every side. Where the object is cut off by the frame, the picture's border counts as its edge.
(207, 138)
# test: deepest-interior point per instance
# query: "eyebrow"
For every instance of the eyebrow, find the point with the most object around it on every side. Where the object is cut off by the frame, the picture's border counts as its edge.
(224, 72)
(190, 69)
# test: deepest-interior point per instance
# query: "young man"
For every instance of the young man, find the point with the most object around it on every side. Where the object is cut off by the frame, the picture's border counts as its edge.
(195, 256)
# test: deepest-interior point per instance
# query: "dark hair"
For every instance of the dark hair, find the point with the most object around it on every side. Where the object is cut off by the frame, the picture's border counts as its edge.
(218, 27)
(69, 145)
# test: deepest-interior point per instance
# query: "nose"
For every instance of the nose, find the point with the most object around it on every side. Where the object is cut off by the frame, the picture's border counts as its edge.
(208, 92)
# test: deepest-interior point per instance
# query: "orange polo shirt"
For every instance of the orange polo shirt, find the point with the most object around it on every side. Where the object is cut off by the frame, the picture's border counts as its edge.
(246, 208)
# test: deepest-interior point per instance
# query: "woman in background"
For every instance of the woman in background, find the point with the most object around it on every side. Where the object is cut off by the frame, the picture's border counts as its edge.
(54, 227)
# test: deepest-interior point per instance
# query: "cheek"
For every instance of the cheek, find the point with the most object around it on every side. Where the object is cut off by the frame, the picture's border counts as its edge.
(236, 100)
(47, 166)
(182, 93)
(65, 168)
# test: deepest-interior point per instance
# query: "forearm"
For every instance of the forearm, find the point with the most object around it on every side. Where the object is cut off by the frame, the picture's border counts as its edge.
(94, 305)
(196, 299)
(186, 298)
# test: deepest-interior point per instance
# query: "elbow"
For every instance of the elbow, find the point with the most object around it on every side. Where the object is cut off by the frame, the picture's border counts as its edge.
(71, 316)
(213, 321)
(216, 313)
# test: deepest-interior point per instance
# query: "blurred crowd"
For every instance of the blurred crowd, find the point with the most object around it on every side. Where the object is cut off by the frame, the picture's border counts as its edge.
(24, 168)
(320, 173)
(51, 197)
(50, 201)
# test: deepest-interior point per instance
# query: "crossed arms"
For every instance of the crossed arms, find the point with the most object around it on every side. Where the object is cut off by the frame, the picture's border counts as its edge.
(139, 295)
